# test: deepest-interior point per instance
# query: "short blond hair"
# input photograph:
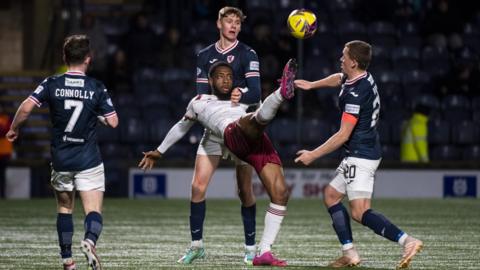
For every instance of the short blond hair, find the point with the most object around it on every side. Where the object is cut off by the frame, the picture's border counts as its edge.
(225, 11)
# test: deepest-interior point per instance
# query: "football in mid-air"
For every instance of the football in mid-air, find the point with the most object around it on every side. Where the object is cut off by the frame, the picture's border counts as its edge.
(302, 23)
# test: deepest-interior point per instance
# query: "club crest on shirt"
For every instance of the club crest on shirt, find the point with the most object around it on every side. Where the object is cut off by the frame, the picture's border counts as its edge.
(230, 58)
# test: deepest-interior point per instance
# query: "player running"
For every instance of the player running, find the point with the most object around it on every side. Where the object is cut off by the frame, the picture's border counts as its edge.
(76, 103)
(243, 134)
(360, 104)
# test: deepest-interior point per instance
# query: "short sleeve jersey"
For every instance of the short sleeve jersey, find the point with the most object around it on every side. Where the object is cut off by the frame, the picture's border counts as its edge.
(245, 65)
(359, 97)
(74, 101)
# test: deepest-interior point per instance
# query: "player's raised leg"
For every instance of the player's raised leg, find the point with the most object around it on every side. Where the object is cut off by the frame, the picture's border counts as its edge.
(286, 91)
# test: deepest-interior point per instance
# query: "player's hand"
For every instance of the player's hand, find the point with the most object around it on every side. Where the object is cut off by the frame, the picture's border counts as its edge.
(236, 95)
(306, 157)
(149, 159)
(11, 135)
(303, 84)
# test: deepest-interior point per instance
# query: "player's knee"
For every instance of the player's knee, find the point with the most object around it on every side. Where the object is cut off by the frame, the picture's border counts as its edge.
(246, 196)
(357, 214)
(330, 197)
(281, 195)
(198, 188)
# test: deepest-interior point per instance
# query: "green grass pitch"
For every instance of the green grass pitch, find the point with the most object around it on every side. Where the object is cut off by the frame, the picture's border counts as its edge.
(153, 234)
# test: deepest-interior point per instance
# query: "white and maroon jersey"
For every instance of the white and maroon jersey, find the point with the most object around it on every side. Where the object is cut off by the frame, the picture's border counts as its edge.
(214, 114)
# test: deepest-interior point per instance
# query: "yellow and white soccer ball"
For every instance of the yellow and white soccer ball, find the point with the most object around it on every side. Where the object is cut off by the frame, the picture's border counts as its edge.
(302, 23)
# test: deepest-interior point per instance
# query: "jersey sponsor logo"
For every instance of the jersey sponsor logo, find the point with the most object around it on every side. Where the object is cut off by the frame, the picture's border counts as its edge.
(74, 82)
(352, 108)
(213, 60)
(38, 90)
(354, 94)
(254, 65)
(230, 58)
(71, 139)
(199, 71)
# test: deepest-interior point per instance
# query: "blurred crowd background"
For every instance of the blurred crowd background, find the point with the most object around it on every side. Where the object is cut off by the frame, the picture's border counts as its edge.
(425, 54)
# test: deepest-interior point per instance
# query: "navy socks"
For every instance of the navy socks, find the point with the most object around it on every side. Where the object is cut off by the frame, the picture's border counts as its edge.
(93, 226)
(65, 234)
(341, 223)
(381, 225)
(248, 218)
(197, 216)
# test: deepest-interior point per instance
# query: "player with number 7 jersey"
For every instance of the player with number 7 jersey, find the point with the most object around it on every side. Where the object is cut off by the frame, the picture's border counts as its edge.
(76, 103)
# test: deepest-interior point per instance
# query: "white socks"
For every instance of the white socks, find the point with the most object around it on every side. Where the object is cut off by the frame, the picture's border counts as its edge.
(197, 243)
(269, 108)
(273, 221)
(402, 239)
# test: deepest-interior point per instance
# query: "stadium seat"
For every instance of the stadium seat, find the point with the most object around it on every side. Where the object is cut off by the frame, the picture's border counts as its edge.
(107, 134)
(415, 41)
(284, 130)
(115, 151)
(438, 131)
(153, 112)
(384, 132)
(382, 33)
(414, 82)
(408, 28)
(383, 59)
(435, 61)
(405, 58)
(427, 100)
(396, 132)
(476, 115)
(158, 128)
(476, 103)
(352, 30)
(132, 130)
(465, 132)
(445, 153)
(456, 108)
(315, 131)
(471, 153)
(386, 79)
(390, 152)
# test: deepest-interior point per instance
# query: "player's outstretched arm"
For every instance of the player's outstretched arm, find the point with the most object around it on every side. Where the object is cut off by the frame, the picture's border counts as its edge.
(21, 116)
(333, 80)
(149, 159)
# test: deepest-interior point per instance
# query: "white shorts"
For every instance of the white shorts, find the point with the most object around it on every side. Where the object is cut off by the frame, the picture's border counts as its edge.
(210, 146)
(86, 180)
(355, 177)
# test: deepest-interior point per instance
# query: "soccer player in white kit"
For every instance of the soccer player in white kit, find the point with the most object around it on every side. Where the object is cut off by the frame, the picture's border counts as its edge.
(243, 135)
